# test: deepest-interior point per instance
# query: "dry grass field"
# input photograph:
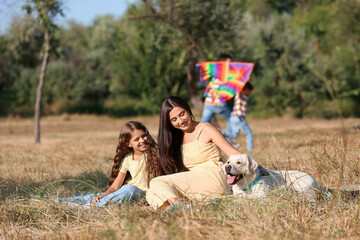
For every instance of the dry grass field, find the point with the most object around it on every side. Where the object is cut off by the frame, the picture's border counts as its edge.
(76, 154)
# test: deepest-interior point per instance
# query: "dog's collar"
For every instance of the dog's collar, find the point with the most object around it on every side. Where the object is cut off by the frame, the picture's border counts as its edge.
(252, 184)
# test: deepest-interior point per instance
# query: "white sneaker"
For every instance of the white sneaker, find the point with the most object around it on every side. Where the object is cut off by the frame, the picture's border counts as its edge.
(215, 200)
(176, 205)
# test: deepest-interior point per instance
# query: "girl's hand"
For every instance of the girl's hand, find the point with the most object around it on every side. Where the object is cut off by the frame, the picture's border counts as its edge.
(96, 200)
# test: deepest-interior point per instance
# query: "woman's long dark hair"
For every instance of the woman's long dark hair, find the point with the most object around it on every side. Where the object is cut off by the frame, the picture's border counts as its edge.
(153, 167)
(170, 139)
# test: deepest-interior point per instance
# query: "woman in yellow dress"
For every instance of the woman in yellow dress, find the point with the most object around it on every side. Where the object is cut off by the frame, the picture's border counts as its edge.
(190, 157)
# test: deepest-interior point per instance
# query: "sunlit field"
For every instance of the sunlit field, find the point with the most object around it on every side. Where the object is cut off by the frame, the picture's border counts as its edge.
(76, 154)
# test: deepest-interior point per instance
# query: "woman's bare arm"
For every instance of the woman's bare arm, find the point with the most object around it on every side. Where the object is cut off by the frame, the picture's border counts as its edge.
(210, 133)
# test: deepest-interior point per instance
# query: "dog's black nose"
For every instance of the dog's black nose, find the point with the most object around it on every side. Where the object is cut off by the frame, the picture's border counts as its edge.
(228, 168)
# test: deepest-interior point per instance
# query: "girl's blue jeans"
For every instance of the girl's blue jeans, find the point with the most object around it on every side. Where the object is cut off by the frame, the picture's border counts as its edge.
(124, 194)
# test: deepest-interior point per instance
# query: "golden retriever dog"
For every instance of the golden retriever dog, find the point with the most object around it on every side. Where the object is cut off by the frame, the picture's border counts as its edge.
(247, 181)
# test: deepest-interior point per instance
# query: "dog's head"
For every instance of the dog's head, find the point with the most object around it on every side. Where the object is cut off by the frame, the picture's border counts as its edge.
(239, 166)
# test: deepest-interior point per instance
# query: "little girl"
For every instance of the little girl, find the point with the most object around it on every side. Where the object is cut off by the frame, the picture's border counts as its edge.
(136, 153)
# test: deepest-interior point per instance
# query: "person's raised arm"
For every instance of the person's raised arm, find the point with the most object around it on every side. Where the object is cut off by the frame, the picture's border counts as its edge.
(213, 134)
(116, 185)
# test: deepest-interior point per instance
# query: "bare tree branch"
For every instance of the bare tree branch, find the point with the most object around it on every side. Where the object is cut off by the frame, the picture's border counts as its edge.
(189, 38)
(155, 15)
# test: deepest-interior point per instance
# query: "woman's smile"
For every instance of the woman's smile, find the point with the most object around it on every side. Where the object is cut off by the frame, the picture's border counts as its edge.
(184, 124)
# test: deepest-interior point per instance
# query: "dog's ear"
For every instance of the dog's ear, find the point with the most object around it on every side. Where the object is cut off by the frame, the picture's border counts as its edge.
(253, 165)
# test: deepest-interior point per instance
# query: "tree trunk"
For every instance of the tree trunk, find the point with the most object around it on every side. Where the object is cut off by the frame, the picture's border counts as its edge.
(42, 77)
(191, 78)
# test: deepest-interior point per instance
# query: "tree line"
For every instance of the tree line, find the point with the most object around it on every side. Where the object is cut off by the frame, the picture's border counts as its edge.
(306, 56)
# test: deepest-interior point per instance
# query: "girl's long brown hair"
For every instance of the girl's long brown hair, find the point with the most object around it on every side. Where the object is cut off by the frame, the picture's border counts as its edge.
(153, 167)
(170, 139)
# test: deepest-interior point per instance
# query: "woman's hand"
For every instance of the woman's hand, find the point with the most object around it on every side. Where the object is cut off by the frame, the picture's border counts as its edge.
(96, 200)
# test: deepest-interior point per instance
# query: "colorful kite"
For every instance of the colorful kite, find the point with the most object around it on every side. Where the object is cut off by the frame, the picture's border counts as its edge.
(224, 79)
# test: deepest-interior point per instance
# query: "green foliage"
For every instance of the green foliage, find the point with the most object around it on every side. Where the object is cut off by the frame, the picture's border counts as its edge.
(24, 41)
(79, 80)
(306, 56)
(204, 19)
(148, 62)
(283, 47)
(46, 11)
(8, 74)
(280, 77)
(202, 24)
(334, 26)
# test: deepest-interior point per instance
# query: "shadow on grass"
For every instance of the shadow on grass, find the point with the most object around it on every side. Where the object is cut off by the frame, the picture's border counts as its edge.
(95, 181)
